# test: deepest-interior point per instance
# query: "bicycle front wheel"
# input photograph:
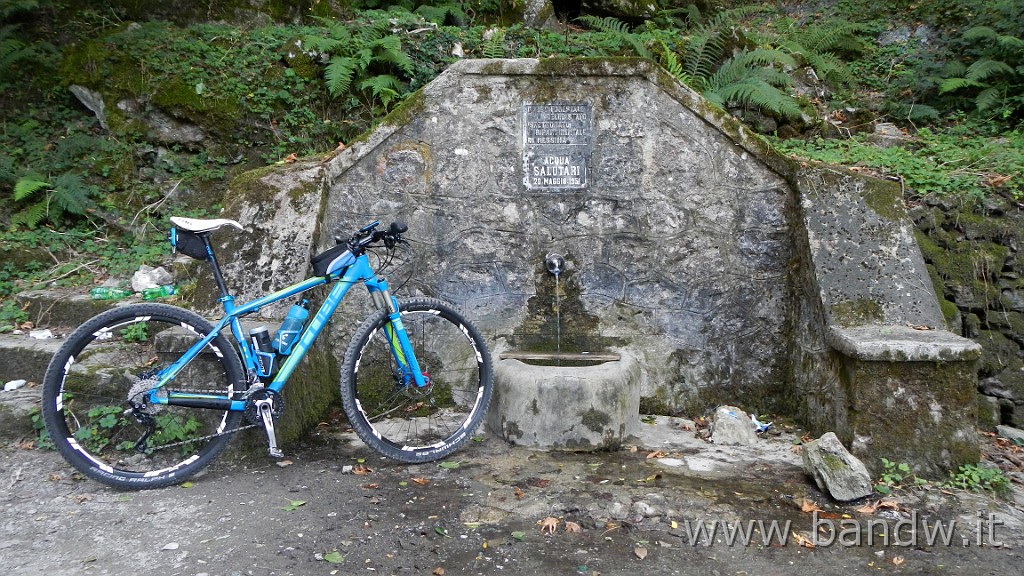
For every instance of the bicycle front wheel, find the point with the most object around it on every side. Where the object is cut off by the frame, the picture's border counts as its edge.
(97, 408)
(392, 415)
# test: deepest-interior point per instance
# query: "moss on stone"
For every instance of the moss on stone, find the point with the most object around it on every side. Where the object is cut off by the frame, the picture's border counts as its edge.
(857, 312)
(885, 198)
(595, 420)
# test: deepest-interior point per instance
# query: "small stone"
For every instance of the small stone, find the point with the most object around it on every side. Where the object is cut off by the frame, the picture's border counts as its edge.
(1010, 433)
(835, 470)
(733, 426)
(170, 546)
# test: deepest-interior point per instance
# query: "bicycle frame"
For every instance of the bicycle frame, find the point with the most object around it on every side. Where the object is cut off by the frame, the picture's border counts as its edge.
(357, 272)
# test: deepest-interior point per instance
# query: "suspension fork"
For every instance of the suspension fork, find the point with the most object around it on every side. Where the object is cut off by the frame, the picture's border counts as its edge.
(398, 338)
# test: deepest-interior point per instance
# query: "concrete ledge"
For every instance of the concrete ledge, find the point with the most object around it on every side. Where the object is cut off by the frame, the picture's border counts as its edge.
(902, 343)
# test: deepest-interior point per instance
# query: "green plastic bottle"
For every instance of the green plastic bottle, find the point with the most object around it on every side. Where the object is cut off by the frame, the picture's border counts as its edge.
(158, 292)
(109, 293)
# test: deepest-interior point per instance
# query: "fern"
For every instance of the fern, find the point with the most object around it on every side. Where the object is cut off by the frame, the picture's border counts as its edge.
(366, 56)
(444, 14)
(46, 201)
(494, 47)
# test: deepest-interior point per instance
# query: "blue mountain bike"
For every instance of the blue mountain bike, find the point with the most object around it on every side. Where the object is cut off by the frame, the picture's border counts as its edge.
(145, 395)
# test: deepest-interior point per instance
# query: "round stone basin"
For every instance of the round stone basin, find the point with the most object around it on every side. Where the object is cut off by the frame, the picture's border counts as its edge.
(575, 408)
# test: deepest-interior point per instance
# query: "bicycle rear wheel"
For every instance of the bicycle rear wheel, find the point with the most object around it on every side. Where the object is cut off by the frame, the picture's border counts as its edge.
(399, 420)
(95, 402)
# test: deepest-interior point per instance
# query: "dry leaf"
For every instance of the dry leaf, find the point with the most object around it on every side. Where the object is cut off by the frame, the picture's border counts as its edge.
(371, 486)
(291, 158)
(83, 498)
(573, 527)
(897, 560)
(361, 470)
(439, 571)
(921, 327)
(56, 477)
(803, 540)
(519, 493)
(868, 508)
(796, 449)
(285, 463)
(640, 552)
(657, 454)
(809, 506)
(549, 524)
(890, 504)
(421, 481)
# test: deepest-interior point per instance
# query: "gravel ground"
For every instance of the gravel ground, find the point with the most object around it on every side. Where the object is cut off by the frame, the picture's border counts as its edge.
(334, 508)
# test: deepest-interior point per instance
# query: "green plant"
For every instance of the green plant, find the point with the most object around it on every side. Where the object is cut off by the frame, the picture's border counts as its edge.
(43, 440)
(138, 332)
(894, 475)
(979, 478)
(995, 79)
(367, 56)
(51, 202)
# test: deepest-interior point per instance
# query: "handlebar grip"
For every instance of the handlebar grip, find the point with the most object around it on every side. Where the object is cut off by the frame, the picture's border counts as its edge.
(398, 227)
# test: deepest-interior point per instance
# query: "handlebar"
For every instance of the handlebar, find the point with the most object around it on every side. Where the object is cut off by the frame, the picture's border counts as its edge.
(369, 235)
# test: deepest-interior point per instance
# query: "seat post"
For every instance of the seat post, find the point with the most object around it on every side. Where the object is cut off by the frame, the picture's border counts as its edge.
(212, 259)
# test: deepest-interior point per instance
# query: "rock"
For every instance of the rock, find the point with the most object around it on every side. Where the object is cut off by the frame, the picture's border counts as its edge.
(93, 101)
(148, 277)
(733, 426)
(16, 408)
(1010, 433)
(835, 470)
(887, 135)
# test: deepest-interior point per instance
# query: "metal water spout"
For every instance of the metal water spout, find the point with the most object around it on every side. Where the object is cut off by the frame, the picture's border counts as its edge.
(555, 264)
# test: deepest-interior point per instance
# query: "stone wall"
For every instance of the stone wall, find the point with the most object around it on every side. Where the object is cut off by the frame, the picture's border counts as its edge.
(974, 255)
(730, 273)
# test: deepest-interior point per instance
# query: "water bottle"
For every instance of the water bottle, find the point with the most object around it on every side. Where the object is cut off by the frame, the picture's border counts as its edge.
(158, 292)
(291, 327)
(109, 293)
(265, 356)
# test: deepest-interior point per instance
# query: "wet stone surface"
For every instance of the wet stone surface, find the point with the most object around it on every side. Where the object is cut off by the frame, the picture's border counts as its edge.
(485, 513)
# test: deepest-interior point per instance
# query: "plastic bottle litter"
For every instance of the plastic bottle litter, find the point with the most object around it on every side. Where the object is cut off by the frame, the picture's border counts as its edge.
(760, 426)
(109, 293)
(158, 292)
(13, 385)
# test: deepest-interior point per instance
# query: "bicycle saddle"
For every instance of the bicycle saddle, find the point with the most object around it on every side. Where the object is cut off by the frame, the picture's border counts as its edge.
(200, 225)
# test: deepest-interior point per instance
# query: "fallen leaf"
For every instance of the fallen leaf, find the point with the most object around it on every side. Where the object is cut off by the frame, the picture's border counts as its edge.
(83, 498)
(441, 531)
(439, 571)
(371, 486)
(802, 540)
(449, 465)
(290, 158)
(56, 477)
(640, 551)
(549, 524)
(293, 505)
(421, 481)
(869, 508)
(361, 470)
(796, 449)
(656, 454)
(538, 482)
(519, 535)
(285, 463)
(573, 527)
(27, 445)
(809, 506)
(519, 492)
(334, 557)
(897, 560)
(921, 327)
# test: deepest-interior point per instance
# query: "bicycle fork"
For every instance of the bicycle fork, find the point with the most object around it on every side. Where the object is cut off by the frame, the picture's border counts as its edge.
(398, 339)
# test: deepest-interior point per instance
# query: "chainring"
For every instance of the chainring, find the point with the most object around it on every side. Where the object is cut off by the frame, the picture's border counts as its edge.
(252, 413)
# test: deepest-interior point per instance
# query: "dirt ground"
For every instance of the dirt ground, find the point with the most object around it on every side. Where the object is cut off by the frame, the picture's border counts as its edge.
(334, 508)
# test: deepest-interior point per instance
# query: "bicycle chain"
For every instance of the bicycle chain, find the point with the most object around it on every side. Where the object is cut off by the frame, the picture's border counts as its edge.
(245, 395)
